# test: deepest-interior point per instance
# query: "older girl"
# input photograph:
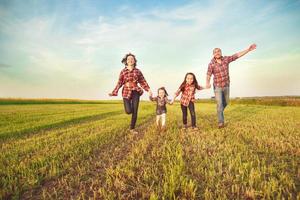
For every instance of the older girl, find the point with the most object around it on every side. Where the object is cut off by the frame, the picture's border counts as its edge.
(188, 89)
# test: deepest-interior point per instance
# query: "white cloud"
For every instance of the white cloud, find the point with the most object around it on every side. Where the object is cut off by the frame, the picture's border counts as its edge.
(168, 43)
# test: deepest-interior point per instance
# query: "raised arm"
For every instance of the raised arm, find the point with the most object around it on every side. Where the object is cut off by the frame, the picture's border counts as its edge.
(240, 54)
(251, 48)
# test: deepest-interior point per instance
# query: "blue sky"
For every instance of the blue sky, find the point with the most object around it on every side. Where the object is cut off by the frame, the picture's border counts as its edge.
(73, 49)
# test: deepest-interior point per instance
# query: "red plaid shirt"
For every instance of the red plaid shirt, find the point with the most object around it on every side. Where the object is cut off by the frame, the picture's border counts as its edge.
(188, 94)
(221, 71)
(130, 80)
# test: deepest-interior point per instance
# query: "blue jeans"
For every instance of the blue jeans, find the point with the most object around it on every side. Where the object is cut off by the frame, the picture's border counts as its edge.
(222, 98)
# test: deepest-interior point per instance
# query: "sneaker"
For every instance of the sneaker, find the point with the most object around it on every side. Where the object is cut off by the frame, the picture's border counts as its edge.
(163, 128)
(184, 127)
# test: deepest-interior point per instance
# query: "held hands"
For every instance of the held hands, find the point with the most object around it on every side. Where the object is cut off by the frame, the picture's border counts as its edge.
(172, 101)
(207, 86)
(150, 93)
(175, 95)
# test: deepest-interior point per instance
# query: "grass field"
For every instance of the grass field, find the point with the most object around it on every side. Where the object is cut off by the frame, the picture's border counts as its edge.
(83, 150)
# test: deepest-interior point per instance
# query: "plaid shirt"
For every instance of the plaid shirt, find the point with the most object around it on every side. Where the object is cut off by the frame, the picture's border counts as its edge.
(130, 80)
(220, 71)
(188, 94)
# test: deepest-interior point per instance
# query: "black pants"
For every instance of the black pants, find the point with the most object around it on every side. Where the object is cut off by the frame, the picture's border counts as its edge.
(192, 112)
(131, 107)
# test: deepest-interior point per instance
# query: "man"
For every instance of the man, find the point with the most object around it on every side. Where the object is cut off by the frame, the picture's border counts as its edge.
(219, 68)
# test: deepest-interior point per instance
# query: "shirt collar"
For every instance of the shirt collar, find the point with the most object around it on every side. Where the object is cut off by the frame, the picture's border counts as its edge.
(187, 85)
(213, 60)
(125, 68)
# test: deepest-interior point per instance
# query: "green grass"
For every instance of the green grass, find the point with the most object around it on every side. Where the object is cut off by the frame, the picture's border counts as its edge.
(269, 101)
(17, 121)
(21, 101)
(84, 151)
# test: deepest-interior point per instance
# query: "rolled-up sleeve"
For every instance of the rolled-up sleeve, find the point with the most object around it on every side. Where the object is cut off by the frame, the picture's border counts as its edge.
(232, 58)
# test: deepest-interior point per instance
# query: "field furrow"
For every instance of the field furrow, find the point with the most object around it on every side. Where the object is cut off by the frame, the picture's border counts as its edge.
(86, 152)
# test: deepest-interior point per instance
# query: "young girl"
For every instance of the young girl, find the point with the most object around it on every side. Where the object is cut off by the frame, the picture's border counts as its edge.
(130, 76)
(161, 109)
(188, 89)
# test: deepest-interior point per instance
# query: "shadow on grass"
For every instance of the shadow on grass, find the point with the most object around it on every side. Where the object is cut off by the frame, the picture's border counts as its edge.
(31, 131)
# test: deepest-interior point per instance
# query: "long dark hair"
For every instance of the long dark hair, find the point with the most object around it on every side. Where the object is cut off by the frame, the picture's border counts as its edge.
(195, 82)
(124, 59)
(164, 89)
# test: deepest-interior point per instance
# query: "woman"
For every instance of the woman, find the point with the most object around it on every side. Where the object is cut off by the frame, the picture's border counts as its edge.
(130, 76)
